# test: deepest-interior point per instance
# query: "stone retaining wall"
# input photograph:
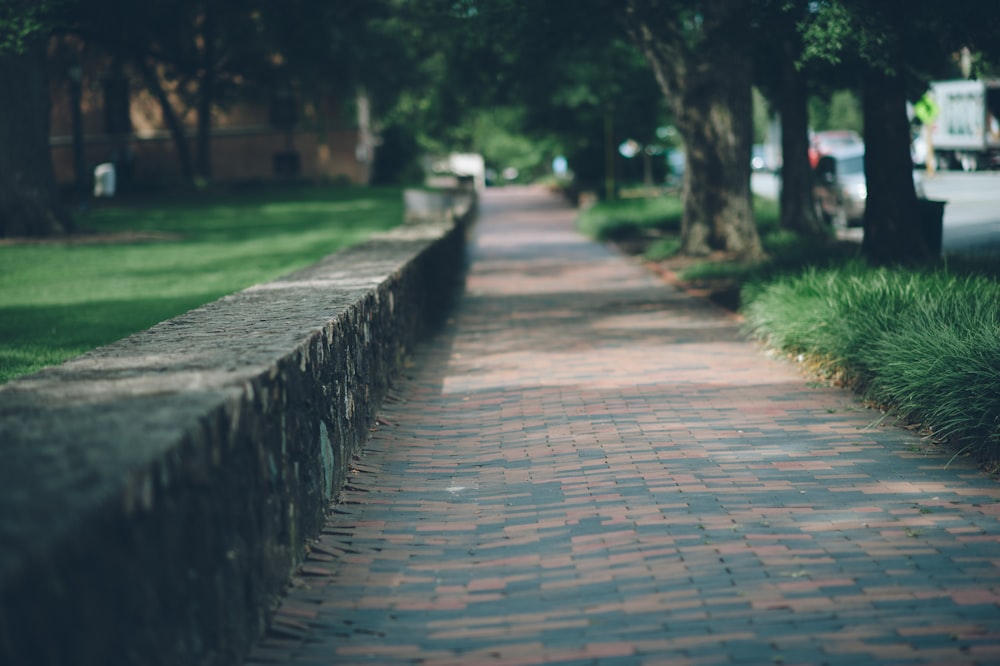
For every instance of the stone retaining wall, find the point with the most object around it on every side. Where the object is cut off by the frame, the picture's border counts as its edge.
(155, 494)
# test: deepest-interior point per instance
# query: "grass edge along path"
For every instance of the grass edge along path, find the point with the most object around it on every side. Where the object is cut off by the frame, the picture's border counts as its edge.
(145, 260)
(923, 345)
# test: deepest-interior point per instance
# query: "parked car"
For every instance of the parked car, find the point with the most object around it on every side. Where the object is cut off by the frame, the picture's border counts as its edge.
(841, 190)
(832, 141)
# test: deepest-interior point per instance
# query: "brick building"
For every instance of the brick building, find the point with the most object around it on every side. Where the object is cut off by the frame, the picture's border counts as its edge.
(256, 135)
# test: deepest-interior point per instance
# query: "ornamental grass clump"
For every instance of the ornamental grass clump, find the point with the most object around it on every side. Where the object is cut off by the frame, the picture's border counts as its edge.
(803, 314)
(941, 364)
(924, 344)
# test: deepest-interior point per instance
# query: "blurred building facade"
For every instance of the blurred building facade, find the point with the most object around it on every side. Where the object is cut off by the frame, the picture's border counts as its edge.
(102, 113)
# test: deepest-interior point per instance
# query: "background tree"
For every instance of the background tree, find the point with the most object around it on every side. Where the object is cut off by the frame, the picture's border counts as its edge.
(701, 55)
(558, 72)
(832, 107)
(592, 105)
(29, 204)
(780, 73)
(892, 230)
(896, 53)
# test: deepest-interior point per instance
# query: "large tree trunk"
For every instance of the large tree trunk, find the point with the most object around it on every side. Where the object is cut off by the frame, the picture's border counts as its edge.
(29, 205)
(717, 129)
(705, 74)
(798, 212)
(892, 230)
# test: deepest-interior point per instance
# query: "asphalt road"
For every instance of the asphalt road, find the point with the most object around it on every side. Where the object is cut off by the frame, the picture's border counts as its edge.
(971, 214)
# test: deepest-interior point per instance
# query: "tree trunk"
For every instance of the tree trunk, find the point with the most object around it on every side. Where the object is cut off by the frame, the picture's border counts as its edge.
(206, 96)
(892, 230)
(169, 117)
(718, 131)
(798, 211)
(29, 205)
(705, 75)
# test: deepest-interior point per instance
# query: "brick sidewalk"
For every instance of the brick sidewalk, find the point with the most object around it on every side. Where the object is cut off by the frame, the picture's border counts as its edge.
(588, 466)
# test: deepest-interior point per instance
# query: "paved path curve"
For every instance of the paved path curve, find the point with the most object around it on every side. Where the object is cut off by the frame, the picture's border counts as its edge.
(589, 466)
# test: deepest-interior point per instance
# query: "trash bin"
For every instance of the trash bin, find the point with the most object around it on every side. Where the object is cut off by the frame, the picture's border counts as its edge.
(930, 216)
(104, 180)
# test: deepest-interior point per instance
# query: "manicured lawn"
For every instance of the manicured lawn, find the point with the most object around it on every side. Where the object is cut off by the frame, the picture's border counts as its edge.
(147, 260)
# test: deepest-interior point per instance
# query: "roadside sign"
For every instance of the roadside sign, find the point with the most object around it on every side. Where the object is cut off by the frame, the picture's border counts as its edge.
(926, 109)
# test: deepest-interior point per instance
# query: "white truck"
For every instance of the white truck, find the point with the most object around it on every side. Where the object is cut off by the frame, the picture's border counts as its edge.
(966, 130)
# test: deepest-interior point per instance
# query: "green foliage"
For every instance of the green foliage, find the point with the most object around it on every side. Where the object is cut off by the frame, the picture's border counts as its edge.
(918, 40)
(829, 34)
(502, 147)
(841, 111)
(523, 82)
(656, 216)
(60, 299)
(22, 20)
(761, 117)
(924, 343)
(609, 220)
(662, 249)
(787, 254)
(397, 160)
(766, 212)
(502, 136)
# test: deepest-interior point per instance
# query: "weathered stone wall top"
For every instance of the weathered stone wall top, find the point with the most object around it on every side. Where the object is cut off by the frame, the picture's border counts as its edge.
(182, 468)
(80, 429)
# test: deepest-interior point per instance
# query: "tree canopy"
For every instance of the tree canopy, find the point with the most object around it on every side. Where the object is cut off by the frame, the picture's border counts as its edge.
(522, 81)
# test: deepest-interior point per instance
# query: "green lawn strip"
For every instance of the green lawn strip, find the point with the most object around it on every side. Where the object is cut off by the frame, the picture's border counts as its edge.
(617, 219)
(925, 343)
(58, 300)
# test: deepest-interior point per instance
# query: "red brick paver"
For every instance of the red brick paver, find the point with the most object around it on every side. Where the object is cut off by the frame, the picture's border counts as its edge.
(589, 466)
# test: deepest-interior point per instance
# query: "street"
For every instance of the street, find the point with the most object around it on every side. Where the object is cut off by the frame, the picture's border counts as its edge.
(971, 215)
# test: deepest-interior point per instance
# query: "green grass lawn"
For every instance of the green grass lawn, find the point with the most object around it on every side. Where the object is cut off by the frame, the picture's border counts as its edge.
(621, 218)
(146, 260)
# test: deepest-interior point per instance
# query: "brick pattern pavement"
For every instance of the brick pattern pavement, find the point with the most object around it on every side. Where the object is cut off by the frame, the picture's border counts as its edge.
(589, 466)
